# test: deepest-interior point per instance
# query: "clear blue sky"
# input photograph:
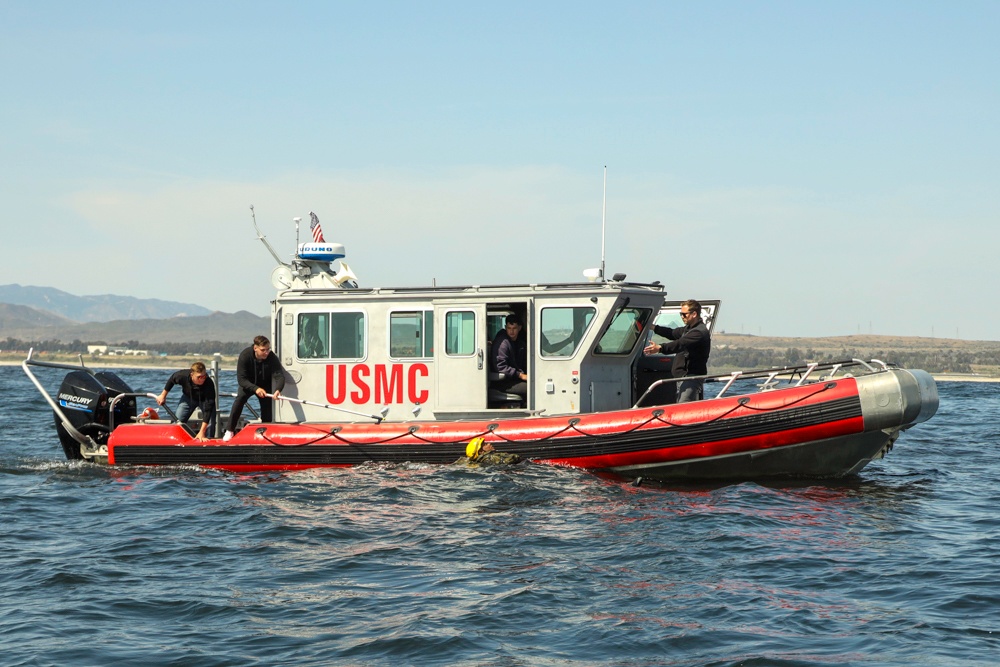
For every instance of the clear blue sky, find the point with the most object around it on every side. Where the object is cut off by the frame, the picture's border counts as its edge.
(823, 168)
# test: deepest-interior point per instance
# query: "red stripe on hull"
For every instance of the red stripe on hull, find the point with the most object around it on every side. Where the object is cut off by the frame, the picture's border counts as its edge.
(783, 438)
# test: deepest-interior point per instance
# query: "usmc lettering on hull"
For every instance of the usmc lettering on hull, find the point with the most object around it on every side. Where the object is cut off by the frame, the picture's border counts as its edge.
(383, 383)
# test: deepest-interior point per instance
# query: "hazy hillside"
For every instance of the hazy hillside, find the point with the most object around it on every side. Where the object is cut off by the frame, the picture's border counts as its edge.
(16, 318)
(225, 327)
(836, 344)
(97, 308)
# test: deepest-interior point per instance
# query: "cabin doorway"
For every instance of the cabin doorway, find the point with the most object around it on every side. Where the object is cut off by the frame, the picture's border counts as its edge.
(496, 317)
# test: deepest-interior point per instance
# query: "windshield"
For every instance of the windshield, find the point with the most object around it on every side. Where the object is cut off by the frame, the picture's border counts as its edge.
(627, 328)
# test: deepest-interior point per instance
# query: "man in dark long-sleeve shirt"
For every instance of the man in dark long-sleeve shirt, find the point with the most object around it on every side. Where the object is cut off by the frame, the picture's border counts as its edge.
(197, 390)
(258, 372)
(690, 345)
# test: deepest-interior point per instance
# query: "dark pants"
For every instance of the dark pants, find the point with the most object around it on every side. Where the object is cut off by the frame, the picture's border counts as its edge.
(513, 386)
(690, 390)
(266, 412)
(186, 407)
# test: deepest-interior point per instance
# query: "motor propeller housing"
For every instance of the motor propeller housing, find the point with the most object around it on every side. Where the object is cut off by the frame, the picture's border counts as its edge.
(85, 400)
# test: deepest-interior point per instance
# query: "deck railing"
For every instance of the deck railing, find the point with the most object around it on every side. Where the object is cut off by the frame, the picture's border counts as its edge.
(787, 376)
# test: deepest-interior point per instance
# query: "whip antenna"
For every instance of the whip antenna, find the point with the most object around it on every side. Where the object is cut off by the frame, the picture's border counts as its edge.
(604, 215)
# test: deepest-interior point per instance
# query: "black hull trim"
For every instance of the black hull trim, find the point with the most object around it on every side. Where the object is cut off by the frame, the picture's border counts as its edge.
(833, 457)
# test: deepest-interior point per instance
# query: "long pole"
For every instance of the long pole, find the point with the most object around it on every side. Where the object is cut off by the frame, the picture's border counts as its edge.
(604, 216)
(377, 418)
(216, 370)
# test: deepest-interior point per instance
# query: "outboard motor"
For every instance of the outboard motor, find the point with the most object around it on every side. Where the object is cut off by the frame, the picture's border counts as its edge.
(84, 399)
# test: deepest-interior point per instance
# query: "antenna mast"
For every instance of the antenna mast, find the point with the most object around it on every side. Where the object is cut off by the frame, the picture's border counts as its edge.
(263, 240)
(604, 215)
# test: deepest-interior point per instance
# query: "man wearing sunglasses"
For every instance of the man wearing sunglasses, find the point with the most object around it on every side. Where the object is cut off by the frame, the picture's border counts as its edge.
(690, 345)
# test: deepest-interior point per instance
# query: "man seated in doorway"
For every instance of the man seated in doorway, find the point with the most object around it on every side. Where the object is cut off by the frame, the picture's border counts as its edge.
(509, 355)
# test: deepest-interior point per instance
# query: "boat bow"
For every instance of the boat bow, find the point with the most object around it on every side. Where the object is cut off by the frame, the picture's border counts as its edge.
(897, 399)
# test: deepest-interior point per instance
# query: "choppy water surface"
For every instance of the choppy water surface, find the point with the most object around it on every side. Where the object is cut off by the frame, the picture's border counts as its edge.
(529, 566)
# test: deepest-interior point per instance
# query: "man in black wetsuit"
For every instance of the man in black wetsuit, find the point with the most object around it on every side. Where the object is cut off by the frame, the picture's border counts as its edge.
(197, 390)
(690, 345)
(259, 372)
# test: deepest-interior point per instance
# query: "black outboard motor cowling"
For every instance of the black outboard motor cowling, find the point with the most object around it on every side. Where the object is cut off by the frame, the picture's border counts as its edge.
(84, 398)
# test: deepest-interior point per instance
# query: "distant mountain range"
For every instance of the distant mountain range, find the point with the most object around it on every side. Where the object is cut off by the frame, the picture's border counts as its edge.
(43, 313)
(98, 308)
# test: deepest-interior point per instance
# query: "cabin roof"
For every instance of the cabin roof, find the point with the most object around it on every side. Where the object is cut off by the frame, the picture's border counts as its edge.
(513, 290)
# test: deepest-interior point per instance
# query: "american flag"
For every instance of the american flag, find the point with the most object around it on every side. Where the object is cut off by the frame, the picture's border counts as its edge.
(317, 231)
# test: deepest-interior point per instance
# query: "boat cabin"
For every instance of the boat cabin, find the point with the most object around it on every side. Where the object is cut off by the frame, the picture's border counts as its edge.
(424, 353)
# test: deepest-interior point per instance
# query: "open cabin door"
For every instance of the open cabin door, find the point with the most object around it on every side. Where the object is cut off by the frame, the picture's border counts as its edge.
(669, 315)
(460, 358)
(653, 367)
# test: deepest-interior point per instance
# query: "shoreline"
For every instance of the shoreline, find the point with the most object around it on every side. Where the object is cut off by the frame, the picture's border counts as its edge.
(228, 363)
(963, 377)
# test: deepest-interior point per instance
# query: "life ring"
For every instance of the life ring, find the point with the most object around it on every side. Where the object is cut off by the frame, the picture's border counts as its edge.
(149, 413)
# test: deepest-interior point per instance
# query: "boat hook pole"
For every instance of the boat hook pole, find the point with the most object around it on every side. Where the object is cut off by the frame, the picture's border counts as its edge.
(378, 418)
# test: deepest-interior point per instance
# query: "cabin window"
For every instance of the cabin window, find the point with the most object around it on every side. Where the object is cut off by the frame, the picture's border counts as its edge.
(314, 336)
(411, 334)
(627, 327)
(460, 333)
(563, 328)
(347, 335)
(670, 317)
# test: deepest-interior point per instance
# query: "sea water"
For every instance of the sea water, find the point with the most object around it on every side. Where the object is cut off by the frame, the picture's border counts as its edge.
(534, 565)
